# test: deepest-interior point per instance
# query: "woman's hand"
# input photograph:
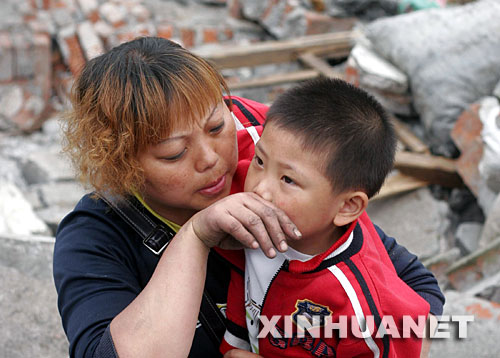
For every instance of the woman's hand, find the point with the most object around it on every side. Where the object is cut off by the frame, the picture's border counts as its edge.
(239, 353)
(244, 220)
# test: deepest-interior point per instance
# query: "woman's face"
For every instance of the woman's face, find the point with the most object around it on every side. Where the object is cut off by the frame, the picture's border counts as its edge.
(192, 168)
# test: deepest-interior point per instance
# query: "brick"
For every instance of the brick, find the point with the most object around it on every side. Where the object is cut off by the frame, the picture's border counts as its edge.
(23, 50)
(88, 6)
(318, 23)
(91, 43)
(104, 30)
(466, 134)
(269, 9)
(466, 272)
(209, 35)
(165, 30)
(6, 57)
(11, 100)
(318, 5)
(227, 33)
(115, 14)
(234, 8)
(71, 50)
(43, 66)
(28, 118)
(125, 36)
(144, 29)
(438, 264)
(141, 12)
(187, 37)
(352, 74)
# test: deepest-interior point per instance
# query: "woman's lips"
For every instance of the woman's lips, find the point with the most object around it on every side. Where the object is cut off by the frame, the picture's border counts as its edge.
(215, 187)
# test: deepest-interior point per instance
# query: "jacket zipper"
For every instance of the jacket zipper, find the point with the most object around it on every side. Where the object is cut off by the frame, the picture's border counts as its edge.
(284, 266)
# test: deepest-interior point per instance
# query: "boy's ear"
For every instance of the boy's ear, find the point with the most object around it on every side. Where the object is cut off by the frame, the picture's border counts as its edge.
(352, 207)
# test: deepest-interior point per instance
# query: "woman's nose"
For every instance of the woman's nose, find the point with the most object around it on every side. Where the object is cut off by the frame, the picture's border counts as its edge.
(207, 158)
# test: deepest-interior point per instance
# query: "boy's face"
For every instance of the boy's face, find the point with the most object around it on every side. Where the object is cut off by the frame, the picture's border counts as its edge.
(291, 178)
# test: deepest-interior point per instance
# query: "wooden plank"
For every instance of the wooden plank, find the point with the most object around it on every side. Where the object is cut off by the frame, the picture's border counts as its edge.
(311, 60)
(408, 138)
(260, 53)
(433, 169)
(397, 184)
(273, 80)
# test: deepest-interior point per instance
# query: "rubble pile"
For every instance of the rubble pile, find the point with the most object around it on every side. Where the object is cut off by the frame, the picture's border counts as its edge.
(435, 69)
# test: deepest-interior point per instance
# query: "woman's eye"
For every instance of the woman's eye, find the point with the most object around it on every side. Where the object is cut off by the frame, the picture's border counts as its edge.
(218, 128)
(175, 157)
(287, 179)
(258, 161)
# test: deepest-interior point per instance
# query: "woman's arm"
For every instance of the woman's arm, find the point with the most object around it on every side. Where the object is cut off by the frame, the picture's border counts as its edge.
(155, 322)
(414, 273)
(163, 317)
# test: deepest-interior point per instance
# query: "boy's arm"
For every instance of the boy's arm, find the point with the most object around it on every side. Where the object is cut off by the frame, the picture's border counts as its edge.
(413, 273)
(236, 335)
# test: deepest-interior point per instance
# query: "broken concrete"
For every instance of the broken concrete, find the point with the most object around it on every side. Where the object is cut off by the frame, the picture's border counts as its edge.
(416, 220)
(451, 56)
(469, 270)
(16, 215)
(28, 311)
(480, 341)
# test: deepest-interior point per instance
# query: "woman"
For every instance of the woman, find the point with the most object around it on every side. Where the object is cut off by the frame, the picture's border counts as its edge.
(149, 125)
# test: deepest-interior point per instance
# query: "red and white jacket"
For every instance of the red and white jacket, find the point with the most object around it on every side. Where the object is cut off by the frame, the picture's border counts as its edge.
(354, 278)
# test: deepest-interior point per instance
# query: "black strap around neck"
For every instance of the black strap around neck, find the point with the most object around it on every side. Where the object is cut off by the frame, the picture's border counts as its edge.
(156, 237)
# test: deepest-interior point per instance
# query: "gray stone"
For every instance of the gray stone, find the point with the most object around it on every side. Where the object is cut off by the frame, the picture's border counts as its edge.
(489, 289)
(440, 263)
(364, 9)
(482, 263)
(47, 165)
(6, 58)
(24, 59)
(491, 230)
(53, 215)
(496, 90)
(450, 55)
(16, 213)
(489, 166)
(467, 236)
(52, 129)
(11, 100)
(31, 325)
(90, 42)
(383, 80)
(480, 341)
(416, 220)
(65, 194)
(10, 172)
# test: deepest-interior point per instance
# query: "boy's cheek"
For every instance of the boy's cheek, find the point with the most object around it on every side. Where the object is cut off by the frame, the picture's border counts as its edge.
(249, 180)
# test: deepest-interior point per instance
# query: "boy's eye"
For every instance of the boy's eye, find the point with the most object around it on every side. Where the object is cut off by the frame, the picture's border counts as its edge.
(258, 160)
(218, 128)
(287, 179)
(175, 157)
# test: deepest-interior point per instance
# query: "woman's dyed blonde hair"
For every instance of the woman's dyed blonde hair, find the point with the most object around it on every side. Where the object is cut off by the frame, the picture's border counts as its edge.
(129, 98)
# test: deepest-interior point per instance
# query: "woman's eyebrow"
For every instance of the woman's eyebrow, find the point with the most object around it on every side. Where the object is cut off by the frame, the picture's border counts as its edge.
(183, 135)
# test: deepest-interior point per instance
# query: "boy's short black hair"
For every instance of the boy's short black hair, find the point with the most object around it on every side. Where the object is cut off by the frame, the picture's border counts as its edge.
(345, 124)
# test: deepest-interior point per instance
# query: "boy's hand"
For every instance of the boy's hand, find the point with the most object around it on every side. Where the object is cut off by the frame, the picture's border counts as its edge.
(239, 353)
(244, 220)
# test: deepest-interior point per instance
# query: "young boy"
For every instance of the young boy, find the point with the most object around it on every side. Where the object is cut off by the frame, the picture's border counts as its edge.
(325, 150)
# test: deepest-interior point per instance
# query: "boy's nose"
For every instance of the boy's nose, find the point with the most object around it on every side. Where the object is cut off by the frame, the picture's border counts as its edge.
(263, 190)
